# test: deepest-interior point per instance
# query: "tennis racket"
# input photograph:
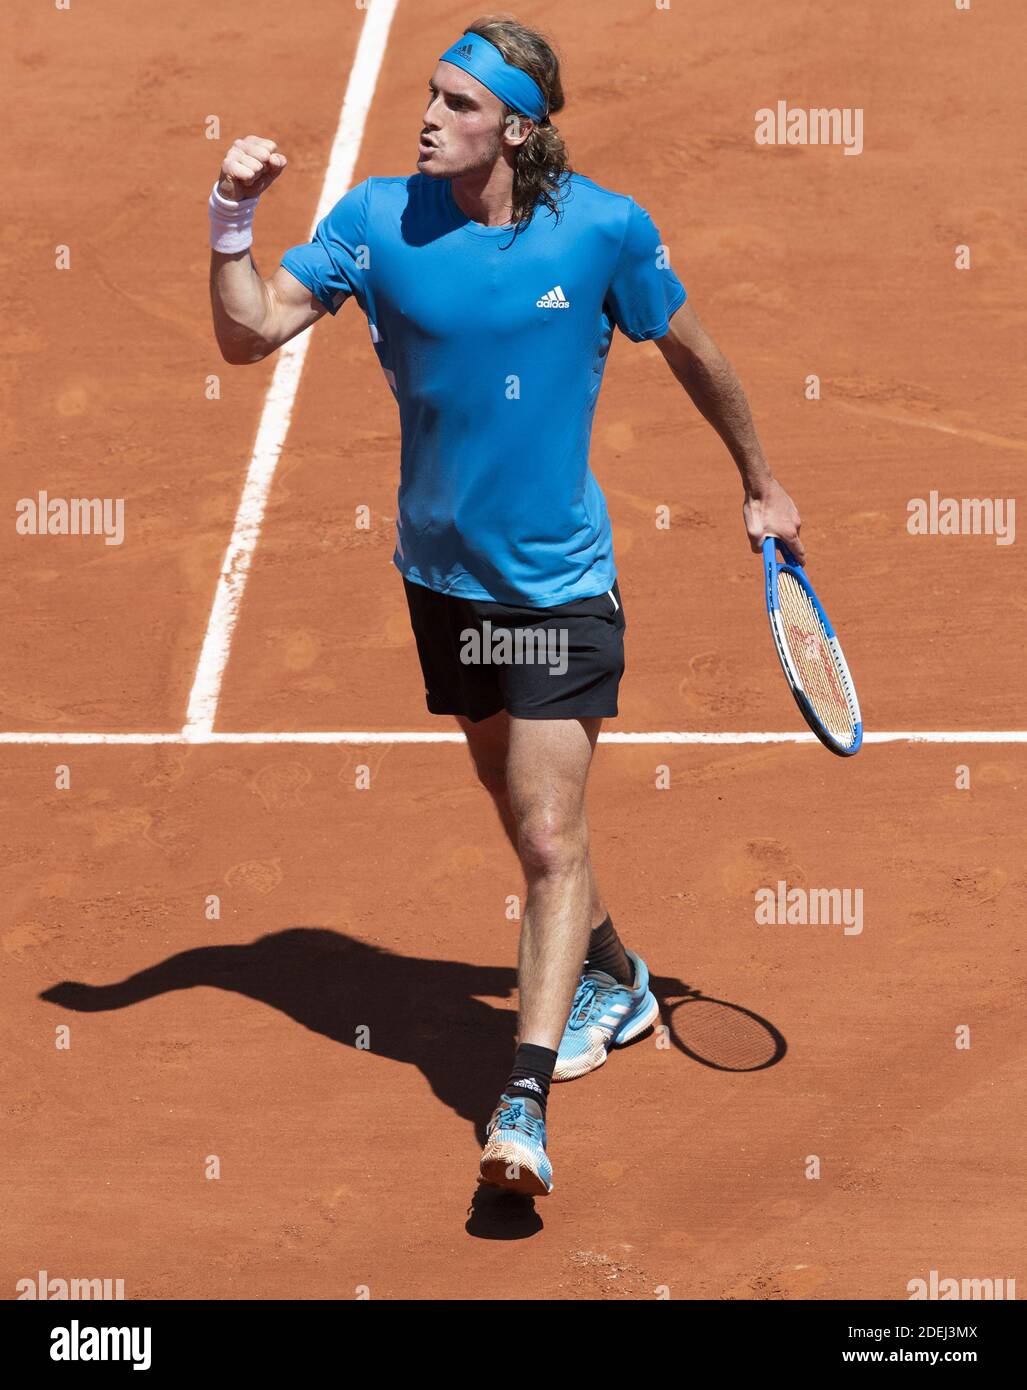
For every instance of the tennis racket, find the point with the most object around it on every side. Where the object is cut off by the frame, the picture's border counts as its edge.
(811, 655)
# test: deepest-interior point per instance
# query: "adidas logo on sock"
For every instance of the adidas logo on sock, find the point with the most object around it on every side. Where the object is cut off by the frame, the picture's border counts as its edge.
(553, 299)
(465, 50)
(528, 1083)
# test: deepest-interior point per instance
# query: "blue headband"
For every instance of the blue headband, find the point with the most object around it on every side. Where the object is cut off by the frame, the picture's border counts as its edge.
(511, 85)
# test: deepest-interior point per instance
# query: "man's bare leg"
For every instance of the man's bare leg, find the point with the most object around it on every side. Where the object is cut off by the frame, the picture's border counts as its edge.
(541, 802)
(489, 744)
(547, 768)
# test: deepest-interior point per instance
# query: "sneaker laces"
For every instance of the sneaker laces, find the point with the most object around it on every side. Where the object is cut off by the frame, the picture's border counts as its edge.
(581, 1004)
(514, 1116)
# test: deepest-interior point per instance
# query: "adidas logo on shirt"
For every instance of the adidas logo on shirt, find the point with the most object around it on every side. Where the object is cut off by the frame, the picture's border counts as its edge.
(553, 299)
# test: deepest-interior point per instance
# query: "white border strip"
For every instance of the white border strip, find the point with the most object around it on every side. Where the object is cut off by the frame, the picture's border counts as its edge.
(281, 394)
(416, 736)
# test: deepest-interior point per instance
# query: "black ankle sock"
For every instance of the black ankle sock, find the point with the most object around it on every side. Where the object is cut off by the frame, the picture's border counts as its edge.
(606, 953)
(532, 1073)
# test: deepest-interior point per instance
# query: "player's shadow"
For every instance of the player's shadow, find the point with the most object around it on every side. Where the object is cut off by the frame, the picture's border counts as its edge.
(414, 1010)
(424, 1012)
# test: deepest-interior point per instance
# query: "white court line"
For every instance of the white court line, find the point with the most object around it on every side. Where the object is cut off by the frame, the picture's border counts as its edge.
(415, 736)
(1000, 441)
(281, 394)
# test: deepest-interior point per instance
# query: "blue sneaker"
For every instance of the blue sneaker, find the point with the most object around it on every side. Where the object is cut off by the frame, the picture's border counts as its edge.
(604, 1014)
(515, 1155)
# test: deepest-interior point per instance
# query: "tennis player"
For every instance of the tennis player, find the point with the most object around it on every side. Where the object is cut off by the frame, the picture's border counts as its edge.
(492, 280)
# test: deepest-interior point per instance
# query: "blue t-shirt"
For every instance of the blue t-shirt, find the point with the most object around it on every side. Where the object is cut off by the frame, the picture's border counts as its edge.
(494, 347)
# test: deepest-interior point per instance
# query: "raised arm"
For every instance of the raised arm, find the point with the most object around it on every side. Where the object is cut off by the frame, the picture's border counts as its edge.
(717, 394)
(252, 316)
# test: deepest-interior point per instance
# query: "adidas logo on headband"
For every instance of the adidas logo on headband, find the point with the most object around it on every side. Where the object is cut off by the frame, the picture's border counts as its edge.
(513, 86)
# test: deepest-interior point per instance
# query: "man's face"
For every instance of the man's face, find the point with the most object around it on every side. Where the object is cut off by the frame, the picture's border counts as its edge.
(463, 125)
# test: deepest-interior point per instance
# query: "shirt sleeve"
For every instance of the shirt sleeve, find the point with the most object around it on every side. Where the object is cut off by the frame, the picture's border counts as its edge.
(643, 292)
(333, 264)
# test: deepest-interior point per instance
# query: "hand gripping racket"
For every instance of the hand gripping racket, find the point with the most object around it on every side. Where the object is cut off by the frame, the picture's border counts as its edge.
(810, 653)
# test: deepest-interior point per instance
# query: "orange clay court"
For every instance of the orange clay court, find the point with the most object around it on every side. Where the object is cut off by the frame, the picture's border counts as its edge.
(681, 1165)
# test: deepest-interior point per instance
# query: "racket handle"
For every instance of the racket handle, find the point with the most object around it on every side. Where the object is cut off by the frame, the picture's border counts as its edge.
(769, 542)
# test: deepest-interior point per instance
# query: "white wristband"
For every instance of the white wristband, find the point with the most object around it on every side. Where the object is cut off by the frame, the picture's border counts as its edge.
(231, 224)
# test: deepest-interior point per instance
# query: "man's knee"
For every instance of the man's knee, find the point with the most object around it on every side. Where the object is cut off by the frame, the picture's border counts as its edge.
(550, 841)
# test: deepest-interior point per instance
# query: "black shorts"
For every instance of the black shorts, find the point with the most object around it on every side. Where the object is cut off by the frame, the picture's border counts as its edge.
(537, 663)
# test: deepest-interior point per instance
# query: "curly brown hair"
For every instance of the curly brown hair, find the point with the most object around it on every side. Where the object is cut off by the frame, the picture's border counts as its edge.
(542, 161)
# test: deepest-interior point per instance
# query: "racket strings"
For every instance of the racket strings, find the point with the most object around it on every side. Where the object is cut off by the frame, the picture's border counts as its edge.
(815, 660)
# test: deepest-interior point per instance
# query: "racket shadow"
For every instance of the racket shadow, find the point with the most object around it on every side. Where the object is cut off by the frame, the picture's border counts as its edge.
(716, 1032)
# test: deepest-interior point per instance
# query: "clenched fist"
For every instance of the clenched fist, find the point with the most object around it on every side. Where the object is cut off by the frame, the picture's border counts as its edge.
(250, 167)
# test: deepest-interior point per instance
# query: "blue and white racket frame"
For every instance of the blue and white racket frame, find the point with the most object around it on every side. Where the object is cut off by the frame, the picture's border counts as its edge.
(791, 566)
